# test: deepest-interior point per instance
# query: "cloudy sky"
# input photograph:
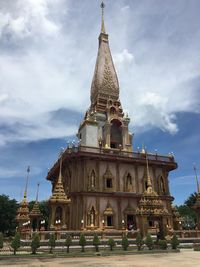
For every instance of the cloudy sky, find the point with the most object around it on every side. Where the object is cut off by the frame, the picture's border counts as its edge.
(47, 55)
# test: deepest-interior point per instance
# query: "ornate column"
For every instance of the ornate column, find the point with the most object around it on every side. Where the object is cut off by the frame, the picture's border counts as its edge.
(107, 134)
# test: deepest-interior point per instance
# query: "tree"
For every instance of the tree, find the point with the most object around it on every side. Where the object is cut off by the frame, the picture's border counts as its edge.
(82, 242)
(174, 242)
(111, 243)
(96, 242)
(35, 243)
(149, 241)
(139, 241)
(188, 216)
(8, 211)
(52, 242)
(1, 240)
(68, 242)
(190, 201)
(125, 242)
(162, 244)
(15, 244)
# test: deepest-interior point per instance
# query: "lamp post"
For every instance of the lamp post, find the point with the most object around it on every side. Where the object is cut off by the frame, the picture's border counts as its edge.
(103, 225)
(123, 224)
(82, 224)
(58, 223)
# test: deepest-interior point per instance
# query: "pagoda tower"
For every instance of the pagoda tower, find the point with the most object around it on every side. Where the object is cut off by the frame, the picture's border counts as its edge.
(196, 206)
(151, 213)
(23, 218)
(105, 124)
(107, 181)
(58, 203)
(35, 214)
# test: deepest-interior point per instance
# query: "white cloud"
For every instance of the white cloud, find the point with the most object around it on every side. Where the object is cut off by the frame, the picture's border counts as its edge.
(123, 58)
(27, 18)
(47, 59)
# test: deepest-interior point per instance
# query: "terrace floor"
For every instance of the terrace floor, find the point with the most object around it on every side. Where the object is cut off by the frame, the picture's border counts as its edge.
(186, 258)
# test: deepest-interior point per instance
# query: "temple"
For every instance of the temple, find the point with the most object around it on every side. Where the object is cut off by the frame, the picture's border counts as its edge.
(102, 183)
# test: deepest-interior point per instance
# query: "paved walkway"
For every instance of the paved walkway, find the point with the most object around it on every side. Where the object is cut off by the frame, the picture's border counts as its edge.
(185, 258)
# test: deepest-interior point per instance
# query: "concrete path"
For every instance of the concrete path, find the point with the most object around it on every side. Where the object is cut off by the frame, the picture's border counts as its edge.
(185, 258)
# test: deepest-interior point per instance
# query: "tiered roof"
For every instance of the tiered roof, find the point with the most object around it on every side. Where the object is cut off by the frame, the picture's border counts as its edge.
(59, 195)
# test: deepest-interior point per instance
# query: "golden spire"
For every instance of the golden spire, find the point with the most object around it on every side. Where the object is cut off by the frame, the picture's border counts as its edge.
(35, 212)
(195, 171)
(102, 18)
(38, 185)
(149, 185)
(25, 191)
(60, 172)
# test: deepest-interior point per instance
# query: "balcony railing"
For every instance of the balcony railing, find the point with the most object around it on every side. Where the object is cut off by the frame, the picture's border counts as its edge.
(121, 153)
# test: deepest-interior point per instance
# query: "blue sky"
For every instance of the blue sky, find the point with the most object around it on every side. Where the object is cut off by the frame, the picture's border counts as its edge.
(47, 55)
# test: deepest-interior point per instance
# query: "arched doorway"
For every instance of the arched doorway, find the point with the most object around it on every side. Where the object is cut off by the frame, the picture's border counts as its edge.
(115, 134)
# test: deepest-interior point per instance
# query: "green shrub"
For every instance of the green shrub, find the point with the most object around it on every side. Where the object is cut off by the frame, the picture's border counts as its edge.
(15, 244)
(35, 243)
(125, 242)
(68, 242)
(1, 240)
(111, 243)
(149, 241)
(162, 244)
(52, 242)
(82, 242)
(96, 242)
(139, 241)
(196, 246)
(174, 242)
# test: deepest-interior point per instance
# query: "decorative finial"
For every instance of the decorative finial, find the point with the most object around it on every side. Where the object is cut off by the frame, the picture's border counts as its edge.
(25, 191)
(102, 18)
(60, 172)
(149, 185)
(38, 185)
(195, 171)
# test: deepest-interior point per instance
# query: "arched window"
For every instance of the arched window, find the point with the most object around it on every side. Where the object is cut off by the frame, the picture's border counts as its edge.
(115, 134)
(129, 183)
(108, 180)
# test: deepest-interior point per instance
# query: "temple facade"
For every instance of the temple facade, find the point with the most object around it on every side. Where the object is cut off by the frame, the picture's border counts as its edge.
(102, 183)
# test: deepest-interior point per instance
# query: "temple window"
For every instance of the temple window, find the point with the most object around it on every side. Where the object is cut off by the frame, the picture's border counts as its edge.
(109, 183)
(151, 223)
(109, 220)
(109, 216)
(108, 180)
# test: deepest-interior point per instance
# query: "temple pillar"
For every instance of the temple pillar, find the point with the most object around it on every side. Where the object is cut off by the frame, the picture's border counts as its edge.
(107, 134)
